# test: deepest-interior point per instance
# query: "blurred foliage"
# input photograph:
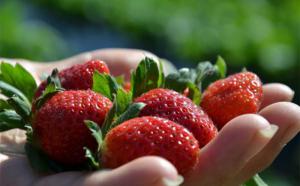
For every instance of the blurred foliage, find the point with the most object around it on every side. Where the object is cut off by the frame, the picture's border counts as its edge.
(27, 39)
(273, 178)
(266, 32)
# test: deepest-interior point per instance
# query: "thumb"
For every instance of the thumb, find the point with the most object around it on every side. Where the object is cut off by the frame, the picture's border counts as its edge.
(146, 171)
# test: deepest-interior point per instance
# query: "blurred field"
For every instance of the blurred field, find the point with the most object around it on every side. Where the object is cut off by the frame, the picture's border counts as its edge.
(263, 35)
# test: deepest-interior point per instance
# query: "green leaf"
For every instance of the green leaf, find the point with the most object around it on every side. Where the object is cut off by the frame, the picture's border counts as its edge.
(21, 107)
(256, 180)
(194, 93)
(204, 70)
(120, 80)
(53, 87)
(195, 79)
(4, 105)
(184, 78)
(123, 100)
(221, 66)
(9, 119)
(39, 160)
(105, 85)
(18, 77)
(168, 66)
(180, 81)
(54, 79)
(92, 160)
(161, 80)
(109, 117)
(96, 131)
(147, 76)
(50, 91)
(8, 90)
(132, 112)
(208, 73)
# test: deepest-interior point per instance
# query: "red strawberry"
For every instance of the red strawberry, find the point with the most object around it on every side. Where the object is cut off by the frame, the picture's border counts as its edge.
(59, 128)
(78, 77)
(180, 109)
(150, 136)
(127, 86)
(228, 98)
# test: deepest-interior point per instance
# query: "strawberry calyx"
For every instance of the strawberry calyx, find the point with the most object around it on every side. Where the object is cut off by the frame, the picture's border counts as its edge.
(123, 109)
(92, 157)
(149, 75)
(113, 118)
(196, 79)
(17, 88)
(53, 86)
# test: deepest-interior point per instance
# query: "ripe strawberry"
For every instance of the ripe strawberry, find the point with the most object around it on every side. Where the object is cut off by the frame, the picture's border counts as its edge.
(180, 109)
(227, 98)
(78, 77)
(127, 86)
(58, 126)
(150, 136)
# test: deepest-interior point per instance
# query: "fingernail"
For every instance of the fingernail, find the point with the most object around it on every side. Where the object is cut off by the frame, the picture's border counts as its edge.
(269, 132)
(172, 182)
(292, 94)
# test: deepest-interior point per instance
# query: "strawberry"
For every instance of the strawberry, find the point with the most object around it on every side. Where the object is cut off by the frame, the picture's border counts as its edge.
(127, 86)
(150, 136)
(228, 98)
(58, 126)
(172, 105)
(77, 77)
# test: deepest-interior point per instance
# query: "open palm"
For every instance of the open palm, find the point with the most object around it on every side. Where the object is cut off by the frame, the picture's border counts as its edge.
(246, 145)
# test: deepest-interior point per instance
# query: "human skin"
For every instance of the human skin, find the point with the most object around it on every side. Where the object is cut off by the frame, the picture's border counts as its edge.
(246, 145)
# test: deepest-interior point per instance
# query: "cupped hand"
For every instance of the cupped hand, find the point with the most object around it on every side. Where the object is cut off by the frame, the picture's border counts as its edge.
(246, 145)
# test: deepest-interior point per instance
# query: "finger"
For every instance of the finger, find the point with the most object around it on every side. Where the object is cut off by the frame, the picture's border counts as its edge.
(236, 143)
(147, 171)
(276, 92)
(287, 117)
(16, 171)
(119, 61)
(122, 61)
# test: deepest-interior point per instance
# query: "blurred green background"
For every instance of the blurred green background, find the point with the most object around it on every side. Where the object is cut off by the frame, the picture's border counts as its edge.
(262, 35)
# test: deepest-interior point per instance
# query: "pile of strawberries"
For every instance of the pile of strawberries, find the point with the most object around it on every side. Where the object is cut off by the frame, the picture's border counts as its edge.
(83, 118)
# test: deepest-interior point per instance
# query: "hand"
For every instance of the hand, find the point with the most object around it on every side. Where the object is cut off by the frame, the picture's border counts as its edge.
(246, 145)
(119, 61)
